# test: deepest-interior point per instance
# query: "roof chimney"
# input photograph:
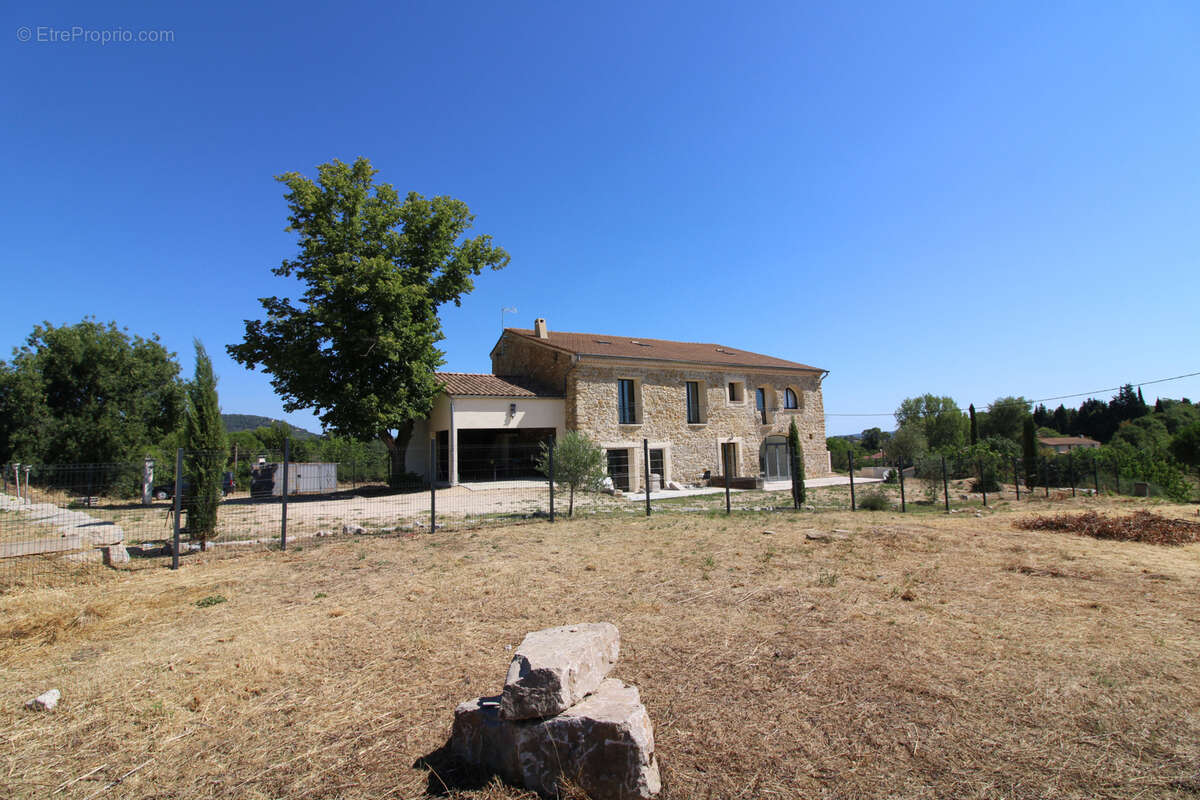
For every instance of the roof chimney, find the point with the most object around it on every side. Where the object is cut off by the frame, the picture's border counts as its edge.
(539, 329)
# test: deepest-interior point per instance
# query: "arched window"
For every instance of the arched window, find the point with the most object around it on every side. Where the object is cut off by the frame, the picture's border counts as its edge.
(789, 399)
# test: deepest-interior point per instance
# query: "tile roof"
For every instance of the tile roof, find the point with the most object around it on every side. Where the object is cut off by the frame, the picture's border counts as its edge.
(468, 383)
(595, 344)
(1051, 441)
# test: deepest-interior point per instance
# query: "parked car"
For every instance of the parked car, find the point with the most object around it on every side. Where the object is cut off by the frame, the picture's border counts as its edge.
(166, 491)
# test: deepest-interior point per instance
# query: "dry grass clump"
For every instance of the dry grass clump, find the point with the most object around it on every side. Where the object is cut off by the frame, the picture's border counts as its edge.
(1140, 526)
(900, 657)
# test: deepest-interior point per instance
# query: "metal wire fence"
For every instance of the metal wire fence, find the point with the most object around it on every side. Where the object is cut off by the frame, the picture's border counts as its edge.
(57, 519)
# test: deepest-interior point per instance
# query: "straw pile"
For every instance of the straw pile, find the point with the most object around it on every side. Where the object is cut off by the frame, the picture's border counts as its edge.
(1140, 526)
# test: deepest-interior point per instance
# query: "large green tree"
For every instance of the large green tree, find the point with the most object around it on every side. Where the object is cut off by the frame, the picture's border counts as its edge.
(87, 393)
(1186, 446)
(360, 347)
(906, 445)
(1005, 417)
(943, 422)
(205, 450)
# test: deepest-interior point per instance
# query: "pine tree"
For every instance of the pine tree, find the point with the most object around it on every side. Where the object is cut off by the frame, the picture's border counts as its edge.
(797, 456)
(205, 445)
(974, 425)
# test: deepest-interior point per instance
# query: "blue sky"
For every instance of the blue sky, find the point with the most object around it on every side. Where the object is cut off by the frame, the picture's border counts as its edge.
(973, 199)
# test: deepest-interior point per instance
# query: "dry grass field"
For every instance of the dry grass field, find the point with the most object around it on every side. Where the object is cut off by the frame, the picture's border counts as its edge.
(918, 656)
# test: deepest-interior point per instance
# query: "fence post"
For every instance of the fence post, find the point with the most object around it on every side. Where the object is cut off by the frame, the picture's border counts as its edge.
(432, 489)
(982, 483)
(1116, 476)
(794, 469)
(287, 457)
(725, 467)
(1045, 477)
(1016, 479)
(1096, 477)
(646, 470)
(29, 497)
(1071, 472)
(850, 455)
(178, 504)
(550, 457)
(17, 477)
(945, 485)
(900, 472)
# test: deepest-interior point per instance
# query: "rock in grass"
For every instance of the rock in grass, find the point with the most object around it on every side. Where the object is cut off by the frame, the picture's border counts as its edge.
(46, 701)
(555, 668)
(115, 554)
(604, 745)
(350, 529)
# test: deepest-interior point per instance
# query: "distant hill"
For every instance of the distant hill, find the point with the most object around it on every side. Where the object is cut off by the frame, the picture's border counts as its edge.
(248, 422)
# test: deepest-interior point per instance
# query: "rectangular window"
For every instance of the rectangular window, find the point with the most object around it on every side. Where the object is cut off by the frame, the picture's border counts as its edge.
(735, 391)
(760, 402)
(626, 402)
(693, 402)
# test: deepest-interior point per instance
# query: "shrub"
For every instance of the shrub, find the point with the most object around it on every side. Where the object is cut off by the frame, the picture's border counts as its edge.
(988, 484)
(875, 501)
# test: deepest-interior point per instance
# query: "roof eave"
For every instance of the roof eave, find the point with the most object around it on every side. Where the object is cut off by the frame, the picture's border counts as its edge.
(715, 364)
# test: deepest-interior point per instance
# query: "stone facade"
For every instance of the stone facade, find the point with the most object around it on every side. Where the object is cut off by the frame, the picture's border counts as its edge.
(692, 449)
(689, 450)
(516, 355)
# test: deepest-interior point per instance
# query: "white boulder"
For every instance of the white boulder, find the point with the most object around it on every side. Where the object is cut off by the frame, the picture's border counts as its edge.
(555, 668)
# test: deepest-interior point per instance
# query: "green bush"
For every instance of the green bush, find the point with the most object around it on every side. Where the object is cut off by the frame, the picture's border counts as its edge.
(875, 501)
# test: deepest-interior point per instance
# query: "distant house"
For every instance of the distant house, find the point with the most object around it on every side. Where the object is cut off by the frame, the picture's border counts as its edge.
(1065, 444)
(698, 405)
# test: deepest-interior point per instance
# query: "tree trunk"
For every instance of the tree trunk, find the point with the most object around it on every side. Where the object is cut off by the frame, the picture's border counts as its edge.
(397, 445)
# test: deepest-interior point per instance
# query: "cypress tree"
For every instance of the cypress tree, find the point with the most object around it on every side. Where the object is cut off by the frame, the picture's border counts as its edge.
(797, 457)
(206, 450)
(974, 426)
(1029, 452)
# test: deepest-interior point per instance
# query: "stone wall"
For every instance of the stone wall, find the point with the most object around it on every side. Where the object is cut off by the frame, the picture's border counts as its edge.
(516, 355)
(691, 449)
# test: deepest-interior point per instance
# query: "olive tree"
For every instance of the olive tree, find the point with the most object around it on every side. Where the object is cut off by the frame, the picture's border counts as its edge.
(578, 464)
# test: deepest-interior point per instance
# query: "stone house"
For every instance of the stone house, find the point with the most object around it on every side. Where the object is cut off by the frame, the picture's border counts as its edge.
(698, 405)
(1065, 444)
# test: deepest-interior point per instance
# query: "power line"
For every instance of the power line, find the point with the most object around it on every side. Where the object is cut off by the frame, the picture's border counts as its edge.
(1042, 399)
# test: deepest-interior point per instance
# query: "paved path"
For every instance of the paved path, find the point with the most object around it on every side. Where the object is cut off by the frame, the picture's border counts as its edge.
(78, 530)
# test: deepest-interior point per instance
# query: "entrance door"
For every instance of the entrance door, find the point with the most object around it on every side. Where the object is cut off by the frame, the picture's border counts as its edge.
(618, 468)
(658, 464)
(729, 459)
(776, 465)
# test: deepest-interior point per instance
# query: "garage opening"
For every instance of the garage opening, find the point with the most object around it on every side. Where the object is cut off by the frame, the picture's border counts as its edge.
(499, 454)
